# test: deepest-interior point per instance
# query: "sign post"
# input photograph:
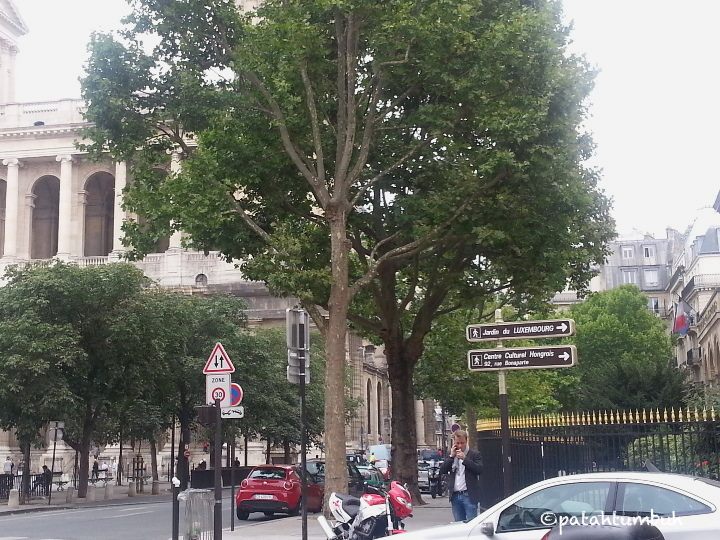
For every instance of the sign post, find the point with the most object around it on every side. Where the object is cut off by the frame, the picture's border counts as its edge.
(218, 392)
(298, 344)
(501, 360)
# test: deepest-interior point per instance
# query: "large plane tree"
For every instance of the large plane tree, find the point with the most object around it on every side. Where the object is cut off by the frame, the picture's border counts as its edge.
(384, 162)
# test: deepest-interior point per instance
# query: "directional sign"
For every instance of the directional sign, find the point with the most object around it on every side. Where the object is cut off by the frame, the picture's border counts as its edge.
(522, 358)
(233, 412)
(236, 394)
(217, 386)
(218, 361)
(520, 330)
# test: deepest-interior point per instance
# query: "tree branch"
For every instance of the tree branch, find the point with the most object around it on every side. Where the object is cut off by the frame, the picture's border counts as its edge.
(362, 190)
(319, 188)
(317, 317)
(315, 124)
(249, 221)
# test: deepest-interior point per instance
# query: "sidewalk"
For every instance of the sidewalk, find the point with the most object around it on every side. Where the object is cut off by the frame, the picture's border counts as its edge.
(119, 496)
(435, 512)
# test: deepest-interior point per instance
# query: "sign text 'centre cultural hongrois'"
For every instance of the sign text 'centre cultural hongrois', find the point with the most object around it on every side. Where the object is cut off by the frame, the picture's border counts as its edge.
(522, 358)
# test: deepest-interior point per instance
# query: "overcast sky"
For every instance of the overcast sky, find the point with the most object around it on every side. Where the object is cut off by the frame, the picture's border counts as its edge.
(655, 110)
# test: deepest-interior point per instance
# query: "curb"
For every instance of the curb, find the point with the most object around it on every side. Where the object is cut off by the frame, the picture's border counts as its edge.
(31, 508)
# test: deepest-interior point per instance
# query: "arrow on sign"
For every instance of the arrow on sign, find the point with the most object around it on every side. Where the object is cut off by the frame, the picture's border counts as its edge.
(562, 327)
(218, 361)
(564, 356)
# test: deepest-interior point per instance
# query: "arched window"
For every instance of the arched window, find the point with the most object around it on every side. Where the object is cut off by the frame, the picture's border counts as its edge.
(45, 212)
(368, 406)
(379, 408)
(201, 280)
(99, 214)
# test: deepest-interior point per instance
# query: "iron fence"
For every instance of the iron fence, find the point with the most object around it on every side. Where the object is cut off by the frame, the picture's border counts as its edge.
(678, 441)
(38, 485)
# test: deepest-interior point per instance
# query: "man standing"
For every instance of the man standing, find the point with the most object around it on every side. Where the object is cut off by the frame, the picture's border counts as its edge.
(8, 466)
(464, 466)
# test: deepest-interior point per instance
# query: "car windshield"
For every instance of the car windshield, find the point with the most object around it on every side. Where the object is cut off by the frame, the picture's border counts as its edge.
(268, 474)
(316, 468)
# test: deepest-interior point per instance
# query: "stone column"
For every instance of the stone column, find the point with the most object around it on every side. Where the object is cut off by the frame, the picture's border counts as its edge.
(175, 168)
(12, 203)
(65, 210)
(118, 212)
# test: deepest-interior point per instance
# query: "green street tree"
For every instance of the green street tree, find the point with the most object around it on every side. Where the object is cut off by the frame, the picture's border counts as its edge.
(387, 162)
(625, 355)
(33, 356)
(87, 365)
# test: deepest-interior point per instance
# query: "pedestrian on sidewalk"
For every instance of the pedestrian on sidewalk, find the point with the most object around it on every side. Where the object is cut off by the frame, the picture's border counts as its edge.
(95, 470)
(8, 466)
(464, 465)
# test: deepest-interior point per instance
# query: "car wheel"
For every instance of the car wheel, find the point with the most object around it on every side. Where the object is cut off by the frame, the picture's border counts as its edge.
(296, 511)
(269, 514)
(242, 515)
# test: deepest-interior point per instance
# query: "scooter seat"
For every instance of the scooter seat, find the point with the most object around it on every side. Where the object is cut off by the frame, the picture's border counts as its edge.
(350, 504)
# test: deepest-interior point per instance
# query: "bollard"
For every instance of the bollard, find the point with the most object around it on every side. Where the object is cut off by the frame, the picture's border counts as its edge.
(14, 499)
(131, 488)
(90, 496)
(69, 495)
(108, 491)
(156, 487)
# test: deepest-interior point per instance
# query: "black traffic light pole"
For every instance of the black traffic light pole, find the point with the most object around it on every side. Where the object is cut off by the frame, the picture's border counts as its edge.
(303, 434)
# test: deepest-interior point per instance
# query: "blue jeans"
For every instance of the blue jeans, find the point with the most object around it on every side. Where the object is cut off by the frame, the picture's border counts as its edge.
(463, 508)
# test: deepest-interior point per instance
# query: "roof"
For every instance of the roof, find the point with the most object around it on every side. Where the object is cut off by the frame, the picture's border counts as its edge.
(11, 19)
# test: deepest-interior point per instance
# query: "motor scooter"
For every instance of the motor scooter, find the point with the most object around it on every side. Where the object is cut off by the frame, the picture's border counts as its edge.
(375, 514)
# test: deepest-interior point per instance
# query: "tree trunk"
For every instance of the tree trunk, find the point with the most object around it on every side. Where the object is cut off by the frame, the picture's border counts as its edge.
(84, 467)
(335, 469)
(227, 454)
(267, 453)
(286, 451)
(471, 417)
(183, 463)
(153, 458)
(25, 487)
(404, 435)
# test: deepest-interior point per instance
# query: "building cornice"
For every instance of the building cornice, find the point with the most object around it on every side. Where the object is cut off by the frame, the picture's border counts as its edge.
(43, 131)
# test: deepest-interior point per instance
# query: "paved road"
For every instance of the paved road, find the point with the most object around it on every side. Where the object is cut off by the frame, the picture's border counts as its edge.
(152, 521)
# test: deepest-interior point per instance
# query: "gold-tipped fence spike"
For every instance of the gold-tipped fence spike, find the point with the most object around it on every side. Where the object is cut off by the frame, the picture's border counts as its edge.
(697, 416)
(712, 413)
(637, 416)
(605, 417)
(672, 414)
(665, 415)
(689, 416)
(704, 414)
(680, 414)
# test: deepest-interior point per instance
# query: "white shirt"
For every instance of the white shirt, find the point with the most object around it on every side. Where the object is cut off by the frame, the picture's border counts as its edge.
(460, 484)
(7, 468)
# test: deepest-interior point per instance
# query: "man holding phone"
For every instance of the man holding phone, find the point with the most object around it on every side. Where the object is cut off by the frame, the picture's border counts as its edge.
(464, 466)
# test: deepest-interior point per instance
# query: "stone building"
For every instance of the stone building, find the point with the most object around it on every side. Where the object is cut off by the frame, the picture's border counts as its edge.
(56, 203)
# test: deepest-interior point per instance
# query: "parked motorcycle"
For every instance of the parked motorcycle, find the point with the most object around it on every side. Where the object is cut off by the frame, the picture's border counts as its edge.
(435, 481)
(376, 514)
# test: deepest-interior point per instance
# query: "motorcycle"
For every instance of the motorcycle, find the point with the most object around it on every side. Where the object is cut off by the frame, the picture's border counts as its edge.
(435, 481)
(376, 514)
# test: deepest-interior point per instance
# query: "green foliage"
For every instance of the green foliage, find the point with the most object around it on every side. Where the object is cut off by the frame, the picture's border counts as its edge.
(625, 355)
(443, 137)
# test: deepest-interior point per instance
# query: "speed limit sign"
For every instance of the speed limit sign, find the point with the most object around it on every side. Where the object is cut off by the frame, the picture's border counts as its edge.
(217, 386)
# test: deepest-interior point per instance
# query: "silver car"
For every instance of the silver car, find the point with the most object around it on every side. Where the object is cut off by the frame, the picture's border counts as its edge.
(681, 507)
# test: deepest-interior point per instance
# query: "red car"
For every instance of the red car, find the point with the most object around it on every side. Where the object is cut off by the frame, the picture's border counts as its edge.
(274, 489)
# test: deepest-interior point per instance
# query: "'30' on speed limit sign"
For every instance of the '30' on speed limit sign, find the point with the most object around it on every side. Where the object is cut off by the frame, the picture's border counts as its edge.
(217, 386)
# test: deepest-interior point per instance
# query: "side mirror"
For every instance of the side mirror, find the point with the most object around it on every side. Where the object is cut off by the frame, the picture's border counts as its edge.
(487, 528)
